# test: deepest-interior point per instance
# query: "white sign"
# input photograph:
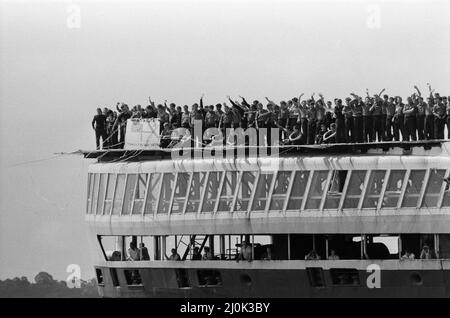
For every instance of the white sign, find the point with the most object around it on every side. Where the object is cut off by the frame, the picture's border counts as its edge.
(142, 133)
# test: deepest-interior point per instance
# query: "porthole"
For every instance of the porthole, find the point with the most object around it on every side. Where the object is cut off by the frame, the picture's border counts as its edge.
(416, 279)
(245, 279)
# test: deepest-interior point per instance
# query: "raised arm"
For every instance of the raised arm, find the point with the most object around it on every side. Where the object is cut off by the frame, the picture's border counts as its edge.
(321, 98)
(271, 102)
(152, 103)
(232, 102)
(244, 102)
(201, 100)
(382, 91)
(430, 90)
(418, 91)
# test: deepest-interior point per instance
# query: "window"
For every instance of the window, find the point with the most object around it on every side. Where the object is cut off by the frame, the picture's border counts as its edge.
(318, 184)
(209, 277)
(344, 276)
(109, 193)
(354, 190)
(413, 187)
(182, 278)
(446, 200)
(101, 192)
(212, 188)
(115, 279)
(315, 275)
(433, 189)
(154, 184)
(393, 189)
(132, 277)
(195, 192)
(245, 190)
(298, 190)
(280, 190)
(118, 196)
(228, 187)
(99, 275)
(95, 193)
(168, 185)
(139, 193)
(262, 191)
(89, 193)
(180, 192)
(374, 187)
(335, 189)
(129, 191)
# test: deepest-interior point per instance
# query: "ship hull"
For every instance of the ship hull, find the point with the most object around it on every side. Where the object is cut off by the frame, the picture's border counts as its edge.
(271, 283)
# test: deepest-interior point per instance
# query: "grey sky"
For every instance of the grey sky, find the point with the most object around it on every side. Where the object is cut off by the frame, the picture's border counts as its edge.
(52, 78)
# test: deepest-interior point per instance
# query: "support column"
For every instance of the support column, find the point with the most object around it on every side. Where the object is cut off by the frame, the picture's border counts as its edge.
(222, 246)
(289, 246)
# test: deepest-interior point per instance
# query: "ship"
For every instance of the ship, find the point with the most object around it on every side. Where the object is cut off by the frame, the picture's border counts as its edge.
(334, 220)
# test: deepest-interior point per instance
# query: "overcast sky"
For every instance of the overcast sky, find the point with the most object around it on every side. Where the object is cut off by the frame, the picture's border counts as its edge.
(53, 76)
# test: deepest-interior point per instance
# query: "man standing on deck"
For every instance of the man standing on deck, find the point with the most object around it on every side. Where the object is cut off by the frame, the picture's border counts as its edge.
(303, 117)
(390, 112)
(410, 120)
(384, 105)
(357, 113)
(439, 112)
(429, 119)
(311, 115)
(398, 119)
(348, 115)
(99, 126)
(376, 113)
(367, 118)
(420, 117)
(340, 121)
(186, 117)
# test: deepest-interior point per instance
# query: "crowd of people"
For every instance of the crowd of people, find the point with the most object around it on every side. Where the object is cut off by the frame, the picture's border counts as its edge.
(313, 120)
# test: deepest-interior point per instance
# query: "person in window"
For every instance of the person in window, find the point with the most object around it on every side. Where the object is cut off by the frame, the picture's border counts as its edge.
(143, 252)
(133, 252)
(208, 255)
(427, 253)
(246, 252)
(175, 256)
(196, 255)
(408, 255)
(99, 126)
(312, 256)
(333, 256)
(116, 256)
(267, 256)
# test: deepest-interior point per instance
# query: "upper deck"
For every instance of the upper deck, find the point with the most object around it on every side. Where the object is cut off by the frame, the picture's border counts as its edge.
(376, 191)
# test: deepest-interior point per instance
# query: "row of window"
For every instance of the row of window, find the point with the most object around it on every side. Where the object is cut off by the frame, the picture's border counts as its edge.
(227, 191)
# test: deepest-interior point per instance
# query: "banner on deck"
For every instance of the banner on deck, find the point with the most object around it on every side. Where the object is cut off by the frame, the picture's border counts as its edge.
(142, 133)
